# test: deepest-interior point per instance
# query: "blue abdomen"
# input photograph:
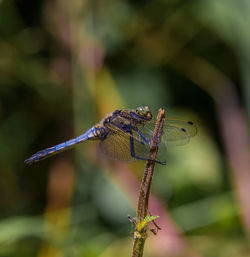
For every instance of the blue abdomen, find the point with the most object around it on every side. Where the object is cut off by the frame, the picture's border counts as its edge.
(90, 134)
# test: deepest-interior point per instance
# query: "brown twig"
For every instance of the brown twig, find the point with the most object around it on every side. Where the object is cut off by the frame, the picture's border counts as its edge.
(140, 233)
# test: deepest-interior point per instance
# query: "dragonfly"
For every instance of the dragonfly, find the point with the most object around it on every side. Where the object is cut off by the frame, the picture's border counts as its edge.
(127, 135)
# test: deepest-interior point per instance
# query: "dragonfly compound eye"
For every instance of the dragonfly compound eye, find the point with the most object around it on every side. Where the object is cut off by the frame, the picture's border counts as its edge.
(144, 112)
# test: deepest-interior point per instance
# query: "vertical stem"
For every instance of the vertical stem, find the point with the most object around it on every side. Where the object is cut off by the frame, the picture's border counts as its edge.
(142, 207)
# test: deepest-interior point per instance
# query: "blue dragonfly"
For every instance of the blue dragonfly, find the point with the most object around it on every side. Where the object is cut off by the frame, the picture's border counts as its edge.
(126, 135)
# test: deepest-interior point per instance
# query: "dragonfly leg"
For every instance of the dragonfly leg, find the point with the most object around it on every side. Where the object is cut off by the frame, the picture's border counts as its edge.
(142, 136)
(132, 152)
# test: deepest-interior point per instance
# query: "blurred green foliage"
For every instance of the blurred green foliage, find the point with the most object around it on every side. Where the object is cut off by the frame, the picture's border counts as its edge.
(65, 64)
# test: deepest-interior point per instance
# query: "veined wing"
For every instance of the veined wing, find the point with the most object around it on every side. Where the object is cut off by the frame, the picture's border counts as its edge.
(117, 146)
(176, 132)
(123, 127)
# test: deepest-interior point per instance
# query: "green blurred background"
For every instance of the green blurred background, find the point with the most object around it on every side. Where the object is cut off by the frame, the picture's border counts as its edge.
(64, 65)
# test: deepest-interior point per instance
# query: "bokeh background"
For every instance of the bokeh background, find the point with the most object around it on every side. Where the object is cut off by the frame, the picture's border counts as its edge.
(64, 65)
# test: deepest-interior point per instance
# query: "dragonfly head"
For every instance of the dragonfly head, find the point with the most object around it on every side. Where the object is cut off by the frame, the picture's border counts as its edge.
(144, 112)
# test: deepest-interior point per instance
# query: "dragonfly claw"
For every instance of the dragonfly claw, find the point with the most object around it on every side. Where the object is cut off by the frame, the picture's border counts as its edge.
(162, 163)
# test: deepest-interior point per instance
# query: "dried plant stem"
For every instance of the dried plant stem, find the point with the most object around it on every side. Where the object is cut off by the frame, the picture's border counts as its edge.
(140, 233)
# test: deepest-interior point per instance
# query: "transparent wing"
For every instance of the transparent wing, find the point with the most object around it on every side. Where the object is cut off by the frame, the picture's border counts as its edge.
(122, 127)
(176, 132)
(117, 146)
